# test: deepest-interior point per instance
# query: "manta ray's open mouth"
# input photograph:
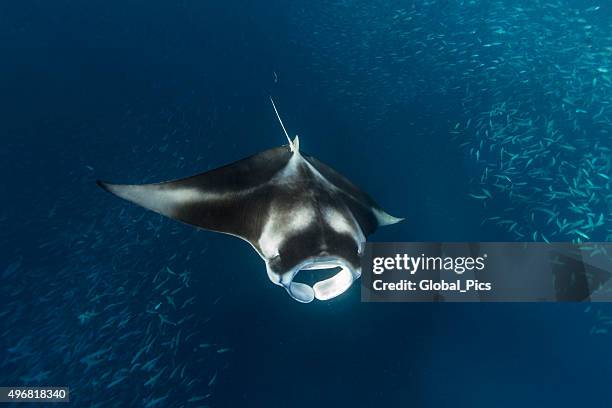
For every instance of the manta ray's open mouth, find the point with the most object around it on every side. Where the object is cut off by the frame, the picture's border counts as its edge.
(312, 275)
(342, 277)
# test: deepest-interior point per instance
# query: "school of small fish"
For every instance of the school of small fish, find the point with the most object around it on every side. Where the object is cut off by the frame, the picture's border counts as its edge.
(524, 89)
(102, 299)
(531, 90)
(132, 332)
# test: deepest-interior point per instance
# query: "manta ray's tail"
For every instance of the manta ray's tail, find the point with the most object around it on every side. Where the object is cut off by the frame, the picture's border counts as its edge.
(295, 144)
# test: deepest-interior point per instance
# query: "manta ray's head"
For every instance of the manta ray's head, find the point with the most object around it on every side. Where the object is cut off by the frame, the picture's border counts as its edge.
(322, 244)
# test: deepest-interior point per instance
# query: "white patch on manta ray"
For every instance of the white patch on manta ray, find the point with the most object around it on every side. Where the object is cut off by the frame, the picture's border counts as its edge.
(301, 218)
(343, 225)
(279, 227)
(159, 199)
(337, 221)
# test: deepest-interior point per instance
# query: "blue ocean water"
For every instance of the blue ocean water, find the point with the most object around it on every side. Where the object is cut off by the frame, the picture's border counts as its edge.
(429, 106)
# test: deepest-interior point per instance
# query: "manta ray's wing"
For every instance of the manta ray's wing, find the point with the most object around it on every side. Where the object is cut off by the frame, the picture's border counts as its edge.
(232, 199)
(366, 211)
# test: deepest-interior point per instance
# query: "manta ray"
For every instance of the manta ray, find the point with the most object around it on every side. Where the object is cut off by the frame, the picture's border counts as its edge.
(296, 212)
